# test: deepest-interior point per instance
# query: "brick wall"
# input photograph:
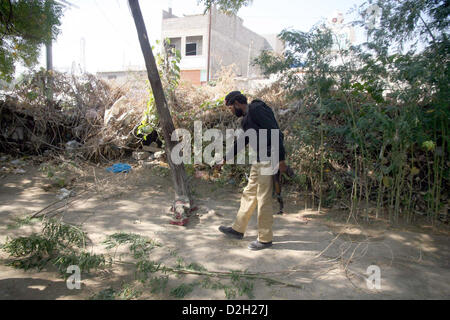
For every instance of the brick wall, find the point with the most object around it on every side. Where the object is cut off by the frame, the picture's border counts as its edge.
(191, 75)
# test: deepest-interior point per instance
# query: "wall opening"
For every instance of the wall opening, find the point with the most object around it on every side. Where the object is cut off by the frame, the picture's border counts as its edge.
(194, 46)
(175, 43)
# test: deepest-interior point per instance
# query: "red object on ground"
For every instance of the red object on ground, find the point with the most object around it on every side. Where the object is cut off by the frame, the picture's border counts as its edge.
(179, 223)
(182, 213)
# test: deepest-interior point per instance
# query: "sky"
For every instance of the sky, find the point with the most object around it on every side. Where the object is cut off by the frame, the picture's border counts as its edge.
(107, 29)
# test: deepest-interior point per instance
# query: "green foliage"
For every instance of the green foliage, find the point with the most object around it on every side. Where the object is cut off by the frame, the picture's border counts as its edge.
(169, 71)
(209, 105)
(59, 244)
(127, 292)
(25, 221)
(160, 171)
(242, 285)
(380, 113)
(106, 294)
(239, 286)
(226, 6)
(407, 22)
(84, 260)
(158, 284)
(64, 234)
(182, 290)
(32, 245)
(196, 267)
(139, 245)
(151, 118)
(146, 267)
(25, 25)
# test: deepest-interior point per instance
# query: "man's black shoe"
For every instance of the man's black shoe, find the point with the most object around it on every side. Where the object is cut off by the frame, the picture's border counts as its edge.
(230, 232)
(256, 245)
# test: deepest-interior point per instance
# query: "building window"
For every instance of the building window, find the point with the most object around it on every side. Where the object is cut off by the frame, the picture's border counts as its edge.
(191, 49)
(194, 46)
(175, 43)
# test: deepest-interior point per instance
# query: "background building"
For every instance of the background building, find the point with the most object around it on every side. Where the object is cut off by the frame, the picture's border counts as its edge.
(213, 40)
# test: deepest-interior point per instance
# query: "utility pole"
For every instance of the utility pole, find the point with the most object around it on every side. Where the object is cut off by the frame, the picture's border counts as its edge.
(209, 46)
(249, 59)
(49, 51)
(83, 55)
(182, 191)
(49, 54)
(48, 46)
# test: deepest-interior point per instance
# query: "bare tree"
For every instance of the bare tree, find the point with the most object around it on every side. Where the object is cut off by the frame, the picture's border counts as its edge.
(178, 172)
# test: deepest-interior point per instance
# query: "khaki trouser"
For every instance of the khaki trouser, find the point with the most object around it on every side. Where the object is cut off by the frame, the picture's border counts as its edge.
(257, 194)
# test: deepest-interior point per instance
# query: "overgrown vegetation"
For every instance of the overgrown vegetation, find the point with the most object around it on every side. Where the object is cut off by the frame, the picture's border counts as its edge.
(31, 124)
(372, 121)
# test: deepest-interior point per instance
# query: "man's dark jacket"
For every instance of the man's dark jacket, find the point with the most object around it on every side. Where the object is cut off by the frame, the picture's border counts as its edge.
(260, 116)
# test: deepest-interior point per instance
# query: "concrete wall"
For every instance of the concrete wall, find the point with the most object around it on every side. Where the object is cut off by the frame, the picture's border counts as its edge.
(189, 26)
(277, 45)
(231, 43)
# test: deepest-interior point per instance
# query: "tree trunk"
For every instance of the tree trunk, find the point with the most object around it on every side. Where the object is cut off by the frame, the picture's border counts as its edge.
(178, 172)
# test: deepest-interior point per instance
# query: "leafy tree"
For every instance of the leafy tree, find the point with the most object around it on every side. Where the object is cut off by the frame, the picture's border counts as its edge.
(24, 26)
(227, 6)
(381, 107)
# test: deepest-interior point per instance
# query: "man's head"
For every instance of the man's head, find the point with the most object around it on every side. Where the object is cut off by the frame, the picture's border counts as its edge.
(237, 103)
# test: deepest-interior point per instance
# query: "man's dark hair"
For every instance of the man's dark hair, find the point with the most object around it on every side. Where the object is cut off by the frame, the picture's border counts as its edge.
(234, 96)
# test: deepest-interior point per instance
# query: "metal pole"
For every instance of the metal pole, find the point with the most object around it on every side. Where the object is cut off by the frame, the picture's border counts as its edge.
(249, 59)
(49, 51)
(209, 47)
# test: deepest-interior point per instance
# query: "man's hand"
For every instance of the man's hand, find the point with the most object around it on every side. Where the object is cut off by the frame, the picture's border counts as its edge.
(283, 167)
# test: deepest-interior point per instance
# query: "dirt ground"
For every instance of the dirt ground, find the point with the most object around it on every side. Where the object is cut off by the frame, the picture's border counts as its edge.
(319, 252)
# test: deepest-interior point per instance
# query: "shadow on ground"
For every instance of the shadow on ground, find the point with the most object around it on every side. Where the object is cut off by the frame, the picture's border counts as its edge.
(306, 252)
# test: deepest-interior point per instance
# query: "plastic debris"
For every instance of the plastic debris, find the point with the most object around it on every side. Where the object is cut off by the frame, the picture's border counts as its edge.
(17, 162)
(72, 145)
(119, 167)
(159, 155)
(64, 193)
(141, 155)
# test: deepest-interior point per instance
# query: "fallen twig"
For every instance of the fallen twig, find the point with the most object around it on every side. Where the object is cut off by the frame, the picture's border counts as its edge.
(258, 276)
(58, 201)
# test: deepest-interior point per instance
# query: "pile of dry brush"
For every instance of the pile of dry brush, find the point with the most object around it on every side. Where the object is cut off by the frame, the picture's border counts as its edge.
(44, 112)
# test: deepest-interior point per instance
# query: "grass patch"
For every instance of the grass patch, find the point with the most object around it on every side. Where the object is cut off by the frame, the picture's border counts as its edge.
(182, 290)
(106, 294)
(58, 244)
(20, 222)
